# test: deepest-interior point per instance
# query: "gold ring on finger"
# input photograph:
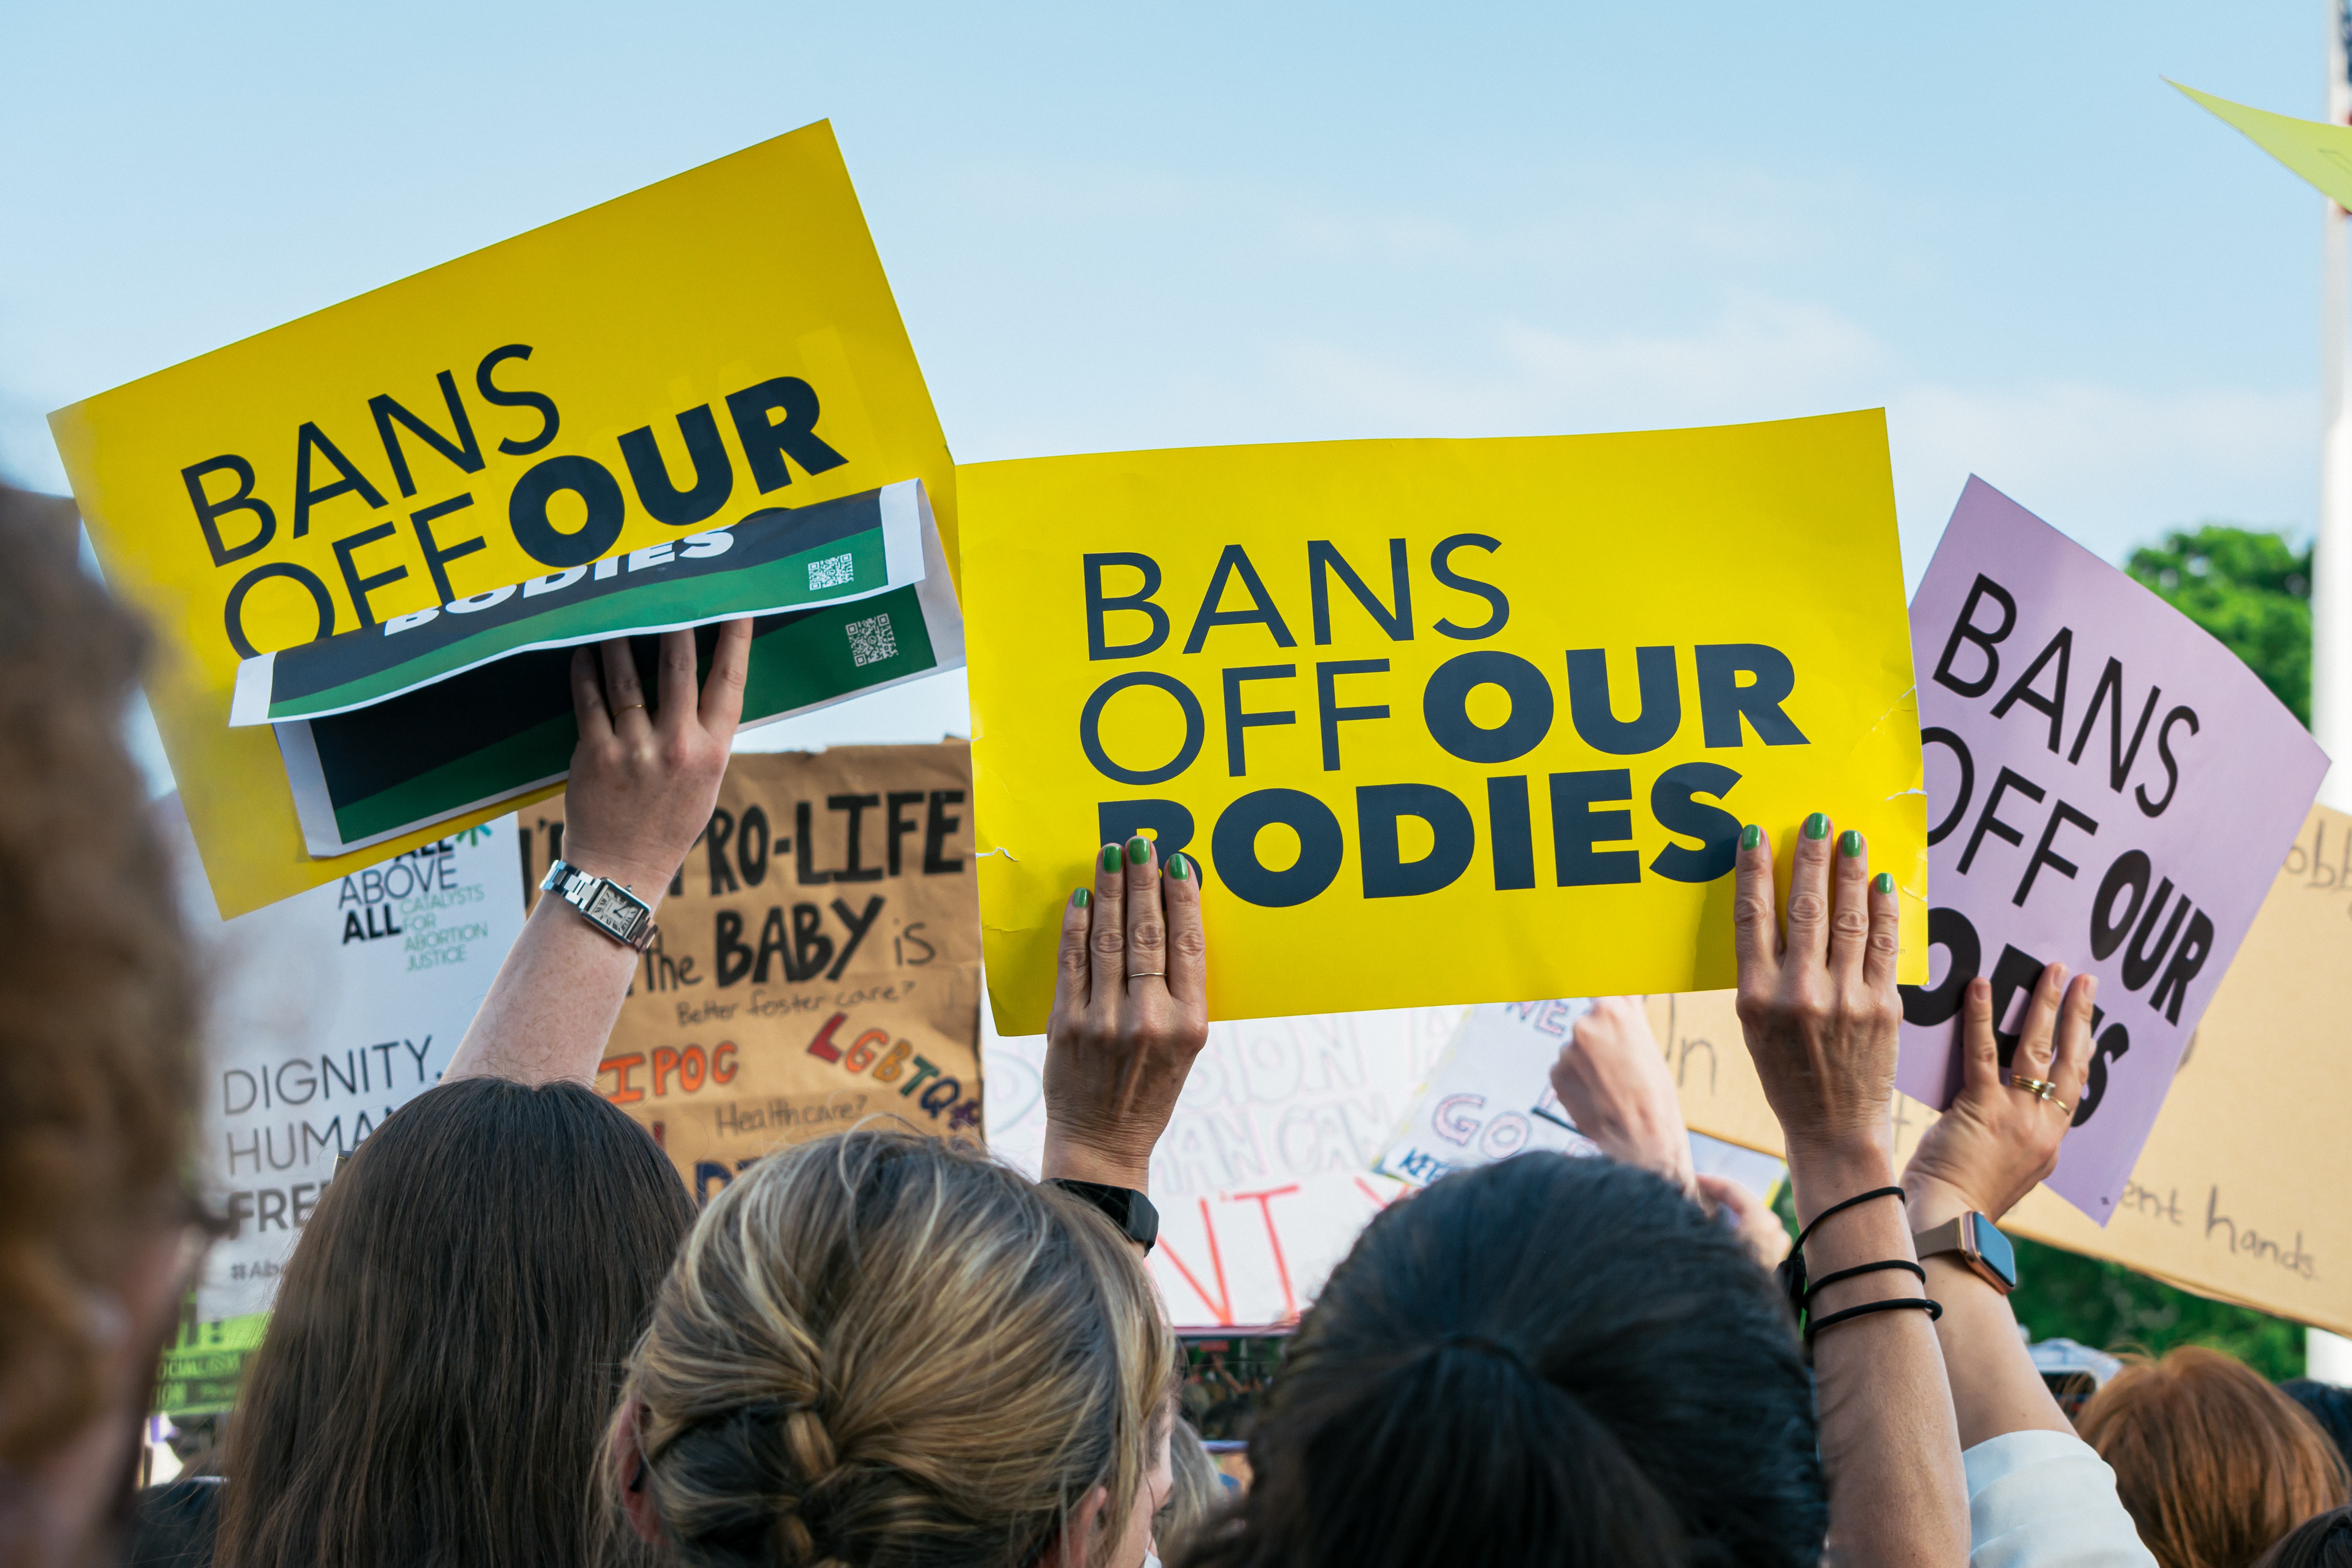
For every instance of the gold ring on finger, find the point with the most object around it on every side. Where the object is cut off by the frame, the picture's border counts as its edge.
(625, 707)
(1146, 974)
(2040, 1088)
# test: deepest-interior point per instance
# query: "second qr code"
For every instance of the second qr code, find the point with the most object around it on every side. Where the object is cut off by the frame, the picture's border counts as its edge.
(871, 640)
(832, 572)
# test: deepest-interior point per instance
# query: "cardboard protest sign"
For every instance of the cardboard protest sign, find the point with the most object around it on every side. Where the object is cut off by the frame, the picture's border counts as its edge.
(442, 710)
(818, 962)
(1490, 1097)
(1442, 721)
(663, 365)
(2110, 788)
(1264, 1176)
(329, 1010)
(2320, 152)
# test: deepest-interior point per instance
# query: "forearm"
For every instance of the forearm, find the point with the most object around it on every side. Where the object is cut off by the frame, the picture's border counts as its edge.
(1996, 1388)
(552, 1009)
(1890, 1447)
(1069, 1159)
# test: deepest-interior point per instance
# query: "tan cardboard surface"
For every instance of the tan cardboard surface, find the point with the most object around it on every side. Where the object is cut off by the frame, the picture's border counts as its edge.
(818, 961)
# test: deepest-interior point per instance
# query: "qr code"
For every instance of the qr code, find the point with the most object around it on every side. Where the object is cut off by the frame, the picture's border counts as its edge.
(871, 640)
(832, 572)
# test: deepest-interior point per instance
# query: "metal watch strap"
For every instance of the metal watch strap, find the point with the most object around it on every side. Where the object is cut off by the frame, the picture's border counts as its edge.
(1125, 1207)
(1954, 1237)
(611, 906)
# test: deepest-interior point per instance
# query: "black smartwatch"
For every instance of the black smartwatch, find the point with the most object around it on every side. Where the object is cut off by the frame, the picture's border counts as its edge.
(1980, 1245)
(1123, 1207)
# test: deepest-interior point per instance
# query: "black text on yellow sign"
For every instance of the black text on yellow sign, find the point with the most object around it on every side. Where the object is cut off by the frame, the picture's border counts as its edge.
(1444, 721)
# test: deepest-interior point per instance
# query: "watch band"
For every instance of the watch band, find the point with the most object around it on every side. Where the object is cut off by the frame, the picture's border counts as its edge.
(1123, 1207)
(1965, 1234)
(607, 905)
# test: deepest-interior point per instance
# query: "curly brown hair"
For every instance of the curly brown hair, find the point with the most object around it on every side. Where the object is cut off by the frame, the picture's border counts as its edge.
(97, 995)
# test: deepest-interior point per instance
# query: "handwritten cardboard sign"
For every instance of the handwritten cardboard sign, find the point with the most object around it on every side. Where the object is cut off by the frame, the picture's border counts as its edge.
(658, 366)
(818, 962)
(329, 1012)
(2109, 788)
(1444, 720)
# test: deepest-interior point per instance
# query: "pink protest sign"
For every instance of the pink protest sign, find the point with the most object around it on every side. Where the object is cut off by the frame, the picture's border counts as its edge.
(2108, 787)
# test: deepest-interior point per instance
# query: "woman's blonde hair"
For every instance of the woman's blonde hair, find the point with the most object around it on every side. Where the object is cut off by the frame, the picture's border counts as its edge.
(880, 1349)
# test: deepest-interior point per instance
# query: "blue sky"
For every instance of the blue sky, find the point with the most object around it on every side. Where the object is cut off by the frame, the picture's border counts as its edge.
(1158, 226)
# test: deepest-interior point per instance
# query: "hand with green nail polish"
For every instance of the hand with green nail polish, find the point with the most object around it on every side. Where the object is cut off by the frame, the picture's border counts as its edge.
(1130, 1012)
(1817, 995)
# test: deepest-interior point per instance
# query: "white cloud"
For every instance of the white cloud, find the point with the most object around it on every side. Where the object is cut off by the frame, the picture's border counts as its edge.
(2112, 465)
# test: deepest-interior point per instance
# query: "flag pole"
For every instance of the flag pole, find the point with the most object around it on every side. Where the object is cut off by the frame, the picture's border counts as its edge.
(2331, 588)
(2328, 1357)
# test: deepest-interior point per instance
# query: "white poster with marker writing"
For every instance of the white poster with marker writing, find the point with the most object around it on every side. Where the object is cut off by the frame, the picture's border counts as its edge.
(1264, 1176)
(1490, 1097)
(329, 1011)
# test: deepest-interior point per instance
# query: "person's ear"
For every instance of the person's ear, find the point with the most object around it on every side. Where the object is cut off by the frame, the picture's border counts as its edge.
(628, 1461)
(1069, 1549)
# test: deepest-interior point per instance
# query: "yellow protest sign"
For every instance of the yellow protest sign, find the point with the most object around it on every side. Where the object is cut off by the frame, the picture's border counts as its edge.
(2320, 152)
(1444, 720)
(2232, 1197)
(673, 360)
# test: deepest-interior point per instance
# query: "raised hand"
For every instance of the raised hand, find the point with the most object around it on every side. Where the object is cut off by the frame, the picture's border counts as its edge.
(1613, 1080)
(644, 780)
(1817, 1004)
(1130, 1011)
(2000, 1139)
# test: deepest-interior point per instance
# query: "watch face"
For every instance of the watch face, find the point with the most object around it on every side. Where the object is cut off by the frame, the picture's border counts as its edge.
(1995, 1249)
(615, 911)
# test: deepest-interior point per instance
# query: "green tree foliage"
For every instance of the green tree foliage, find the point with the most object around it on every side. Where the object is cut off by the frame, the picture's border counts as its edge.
(2251, 590)
(2062, 1295)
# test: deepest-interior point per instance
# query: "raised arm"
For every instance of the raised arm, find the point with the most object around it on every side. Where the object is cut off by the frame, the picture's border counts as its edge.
(641, 786)
(1819, 1008)
(1130, 1011)
(1614, 1082)
(1982, 1157)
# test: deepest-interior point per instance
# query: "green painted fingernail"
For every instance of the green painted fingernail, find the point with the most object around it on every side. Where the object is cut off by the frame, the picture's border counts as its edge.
(1850, 843)
(1817, 827)
(1138, 850)
(1884, 881)
(1081, 899)
(1110, 859)
(1178, 866)
(1750, 836)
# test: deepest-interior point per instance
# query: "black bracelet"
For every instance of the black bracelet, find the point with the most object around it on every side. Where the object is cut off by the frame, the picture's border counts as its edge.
(1826, 1280)
(1805, 1235)
(1934, 1310)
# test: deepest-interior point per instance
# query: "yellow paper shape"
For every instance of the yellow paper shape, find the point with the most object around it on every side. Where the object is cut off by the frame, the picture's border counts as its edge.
(1519, 558)
(2320, 152)
(634, 321)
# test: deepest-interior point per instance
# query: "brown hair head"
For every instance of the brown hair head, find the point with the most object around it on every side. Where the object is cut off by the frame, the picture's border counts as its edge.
(884, 1350)
(2212, 1463)
(97, 1082)
(448, 1339)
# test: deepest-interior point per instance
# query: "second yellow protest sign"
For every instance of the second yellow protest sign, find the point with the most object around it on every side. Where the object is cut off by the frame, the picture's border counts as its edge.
(675, 360)
(1442, 721)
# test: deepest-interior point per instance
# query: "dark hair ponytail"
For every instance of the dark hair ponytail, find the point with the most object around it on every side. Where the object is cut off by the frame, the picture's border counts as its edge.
(1548, 1361)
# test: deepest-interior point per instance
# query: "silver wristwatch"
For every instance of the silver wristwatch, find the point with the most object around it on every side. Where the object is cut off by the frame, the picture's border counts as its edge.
(606, 905)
